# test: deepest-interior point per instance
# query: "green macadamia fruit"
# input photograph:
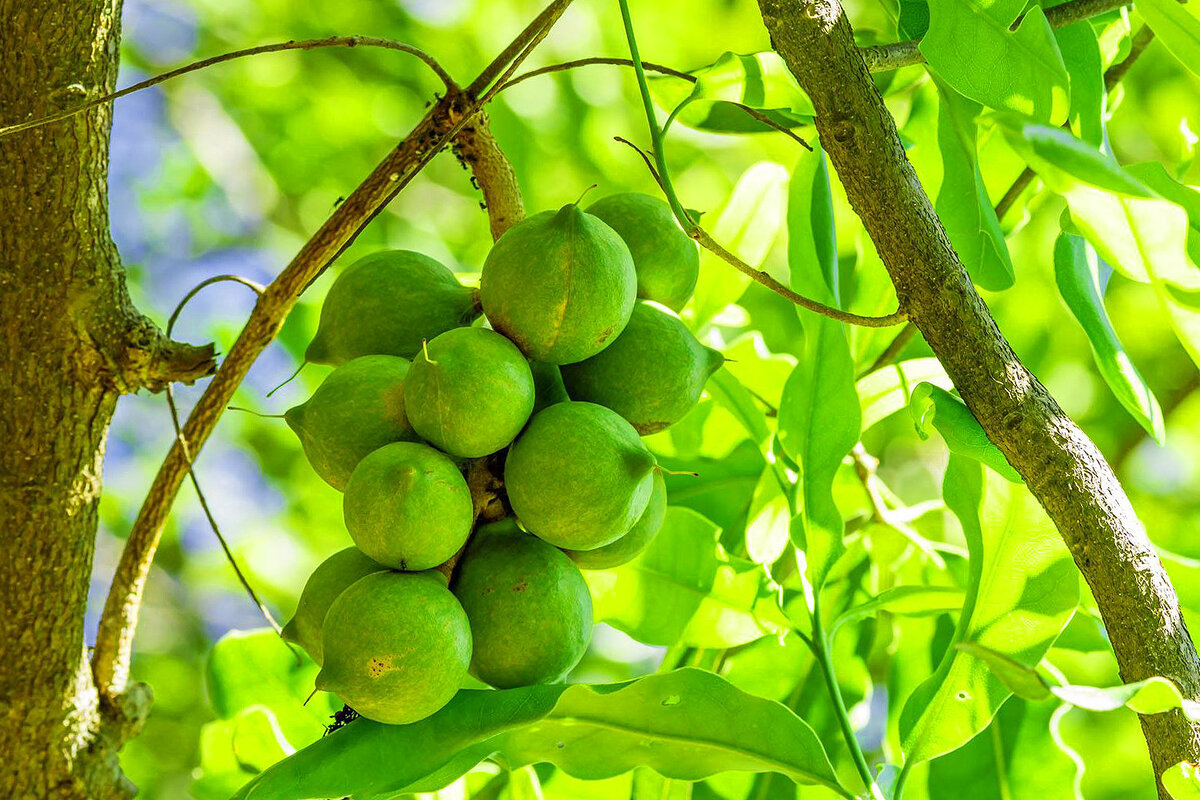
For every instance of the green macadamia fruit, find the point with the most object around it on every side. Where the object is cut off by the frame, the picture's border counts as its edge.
(331, 577)
(652, 375)
(387, 303)
(631, 545)
(561, 284)
(528, 605)
(469, 392)
(397, 646)
(666, 259)
(578, 476)
(408, 507)
(358, 408)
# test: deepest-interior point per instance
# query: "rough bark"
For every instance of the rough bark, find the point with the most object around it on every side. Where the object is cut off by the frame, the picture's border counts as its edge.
(70, 343)
(1059, 463)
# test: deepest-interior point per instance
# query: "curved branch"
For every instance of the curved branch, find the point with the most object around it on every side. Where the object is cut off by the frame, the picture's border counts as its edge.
(110, 660)
(307, 44)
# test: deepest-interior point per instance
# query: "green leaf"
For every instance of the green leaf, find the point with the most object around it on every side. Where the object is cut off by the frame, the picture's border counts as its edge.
(932, 405)
(1077, 272)
(818, 413)
(1178, 28)
(889, 389)
(649, 785)
(1022, 590)
(913, 601)
(685, 725)
(1019, 755)
(1151, 696)
(683, 589)
(1081, 53)
(1182, 781)
(256, 668)
(747, 226)
(962, 201)
(970, 45)
(757, 80)
(1050, 149)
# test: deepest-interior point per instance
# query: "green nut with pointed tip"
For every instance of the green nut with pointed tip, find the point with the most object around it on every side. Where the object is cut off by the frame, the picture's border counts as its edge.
(358, 408)
(408, 507)
(652, 375)
(561, 284)
(469, 392)
(397, 646)
(578, 476)
(528, 605)
(331, 577)
(387, 303)
(667, 261)
(631, 545)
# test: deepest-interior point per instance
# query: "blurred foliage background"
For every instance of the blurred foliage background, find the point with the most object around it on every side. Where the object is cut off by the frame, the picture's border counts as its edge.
(230, 169)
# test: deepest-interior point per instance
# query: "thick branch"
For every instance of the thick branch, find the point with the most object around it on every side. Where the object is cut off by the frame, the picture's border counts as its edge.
(1059, 463)
(491, 171)
(110, 661)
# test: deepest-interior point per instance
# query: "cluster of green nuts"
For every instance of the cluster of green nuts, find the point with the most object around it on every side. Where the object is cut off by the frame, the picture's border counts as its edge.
(551, 397)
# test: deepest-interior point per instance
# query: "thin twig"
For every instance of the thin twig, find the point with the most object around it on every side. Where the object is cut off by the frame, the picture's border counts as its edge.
(307, 44)
(893, 350)
(110, 661)
(191, 466)
(764, 278)
(885, 57)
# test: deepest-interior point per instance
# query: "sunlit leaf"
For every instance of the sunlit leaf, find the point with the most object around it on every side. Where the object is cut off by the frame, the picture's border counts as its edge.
(760, 81)
(936, 407)
(685, 725)
(1178, 27)
(1182, 781)
(889, 389)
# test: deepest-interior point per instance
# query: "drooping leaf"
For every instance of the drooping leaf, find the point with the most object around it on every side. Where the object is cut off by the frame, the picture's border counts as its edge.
(1182, 781)
(756, 80)
(1022, 590)
(962, 201)
(1077, 272)
(1081, 54)
(916, 601)
(1019, 755)
(966, 34)
(889, 389)
(1178, 27)
(932, 405)
(818, 413)
(685, 725)
(683, 589)
(1047, 148)
(747, 226)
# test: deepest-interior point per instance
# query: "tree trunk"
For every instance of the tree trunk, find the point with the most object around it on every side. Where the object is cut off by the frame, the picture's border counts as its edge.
(1061, 466)
(70, 343)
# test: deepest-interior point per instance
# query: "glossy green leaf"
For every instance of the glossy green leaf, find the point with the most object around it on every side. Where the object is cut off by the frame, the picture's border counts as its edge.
(914, 601)
(757, 80)
(818, 413)
(889, 389)
(962, 201)
(936, 407)
(1182, 781)
(1019, 755)
(683, 589)
(747, 226)
(1081, 54)
(1022, 590)
(685, 725)
(256, 668)
(1177, 26)
(1047, 148)
(1077, 272)
(964, 35)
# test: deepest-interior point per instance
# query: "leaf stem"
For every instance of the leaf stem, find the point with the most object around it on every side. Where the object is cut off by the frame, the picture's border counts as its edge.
(819, 644)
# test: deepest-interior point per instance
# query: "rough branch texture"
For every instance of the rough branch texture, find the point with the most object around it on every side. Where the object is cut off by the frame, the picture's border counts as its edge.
(70, 343)
(1062, 467)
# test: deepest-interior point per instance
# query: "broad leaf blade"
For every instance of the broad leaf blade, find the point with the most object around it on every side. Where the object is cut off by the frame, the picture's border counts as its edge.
(685, 725)
(1178, 28)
